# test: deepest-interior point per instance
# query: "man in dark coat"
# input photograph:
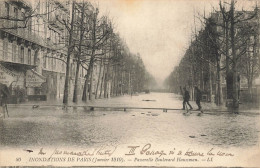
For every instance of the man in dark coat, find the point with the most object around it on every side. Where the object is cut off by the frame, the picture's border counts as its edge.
(198, 97)
(4, 94)
(186, 99)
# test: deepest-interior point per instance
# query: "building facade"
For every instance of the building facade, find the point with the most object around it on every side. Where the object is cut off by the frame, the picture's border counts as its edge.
(33, 49)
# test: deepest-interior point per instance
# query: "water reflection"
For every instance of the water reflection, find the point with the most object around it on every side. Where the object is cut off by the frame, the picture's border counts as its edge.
(77, 127)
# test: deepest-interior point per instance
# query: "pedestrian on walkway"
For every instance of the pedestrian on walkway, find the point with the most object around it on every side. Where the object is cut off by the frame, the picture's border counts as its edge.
(186, 98)
(198, 97)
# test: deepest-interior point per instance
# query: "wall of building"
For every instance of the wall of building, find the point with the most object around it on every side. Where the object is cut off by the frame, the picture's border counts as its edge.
(41, 46)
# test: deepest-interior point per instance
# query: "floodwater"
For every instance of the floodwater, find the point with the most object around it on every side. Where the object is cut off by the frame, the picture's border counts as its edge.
(53, 126)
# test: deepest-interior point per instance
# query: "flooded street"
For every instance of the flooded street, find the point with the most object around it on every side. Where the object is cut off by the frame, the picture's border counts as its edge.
(52, 126)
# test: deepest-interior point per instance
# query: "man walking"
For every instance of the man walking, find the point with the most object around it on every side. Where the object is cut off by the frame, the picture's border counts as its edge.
(198, 97)
(186, 99)
(4, 94)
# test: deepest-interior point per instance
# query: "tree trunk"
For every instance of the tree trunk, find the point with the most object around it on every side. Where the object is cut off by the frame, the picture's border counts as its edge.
(92, 58)
(116, 81)
(102, 81)
(228, 75)
(234, 58)
(99, 76)
(113, 83)
(210, 85)
(70, 48)
(107, 78)
(219, 89)
(249, 81)
(89, 71)
(122, 77)
(105, 85)
(107, 74)
(91, 86)
(201, 78)
(84, 95)
(75, 94)
(129, 83)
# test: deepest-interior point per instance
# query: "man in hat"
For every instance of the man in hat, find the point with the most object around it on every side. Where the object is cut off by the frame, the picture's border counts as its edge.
(4, 94)
(186, 99)
(198, 97)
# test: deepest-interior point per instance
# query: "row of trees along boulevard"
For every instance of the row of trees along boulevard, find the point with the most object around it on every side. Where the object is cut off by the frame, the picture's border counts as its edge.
(90, 40)
(226, 49)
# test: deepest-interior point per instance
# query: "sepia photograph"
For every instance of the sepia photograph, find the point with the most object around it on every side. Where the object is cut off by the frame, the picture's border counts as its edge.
(129, 83)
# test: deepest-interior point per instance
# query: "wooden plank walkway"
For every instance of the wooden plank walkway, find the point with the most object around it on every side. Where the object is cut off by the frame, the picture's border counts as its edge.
(124, 108)
(91, 107)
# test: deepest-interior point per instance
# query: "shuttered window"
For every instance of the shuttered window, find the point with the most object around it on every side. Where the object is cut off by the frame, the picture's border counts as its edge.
(14, 51)
(29, 56)
(22, 55)
(5, 49)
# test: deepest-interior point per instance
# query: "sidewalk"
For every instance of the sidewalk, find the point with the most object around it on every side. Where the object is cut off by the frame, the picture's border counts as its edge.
(243, 108)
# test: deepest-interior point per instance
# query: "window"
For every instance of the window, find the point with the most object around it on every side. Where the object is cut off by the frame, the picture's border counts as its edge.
(29, 56)
(95, 68)
(46, 7)
(63, 67)
(42, 7)
(56, 37)
(22, 55)
(35, 58)
(44, 61)
(49, 33)
(14, 48)
(38, 27)
(5, 49)
(7, 9)
(48, 10)
(53, 36)
(59, 38)
(15, 16)
(38, 8)
(49, 62)
(54, 63)
(29, 26)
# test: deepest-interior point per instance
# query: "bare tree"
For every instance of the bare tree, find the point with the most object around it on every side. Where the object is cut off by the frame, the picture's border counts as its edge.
(69, 51)
(97, 39)
(83, 29)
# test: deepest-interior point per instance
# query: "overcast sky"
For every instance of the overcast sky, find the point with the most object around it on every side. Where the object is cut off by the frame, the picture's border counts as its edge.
(160, 30)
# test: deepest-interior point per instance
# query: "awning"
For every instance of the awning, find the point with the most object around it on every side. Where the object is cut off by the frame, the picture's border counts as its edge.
(34, 79)
(7, 76)
(17, 66)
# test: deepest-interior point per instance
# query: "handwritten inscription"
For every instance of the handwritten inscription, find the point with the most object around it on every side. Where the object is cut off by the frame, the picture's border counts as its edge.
(193, 153)
(133, 153)
(102, 151)
(146, 150)
(149, 151)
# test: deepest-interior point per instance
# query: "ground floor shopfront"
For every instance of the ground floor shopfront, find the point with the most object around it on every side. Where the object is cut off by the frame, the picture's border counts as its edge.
(26, 84)
(23, 82)
(54, 86)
